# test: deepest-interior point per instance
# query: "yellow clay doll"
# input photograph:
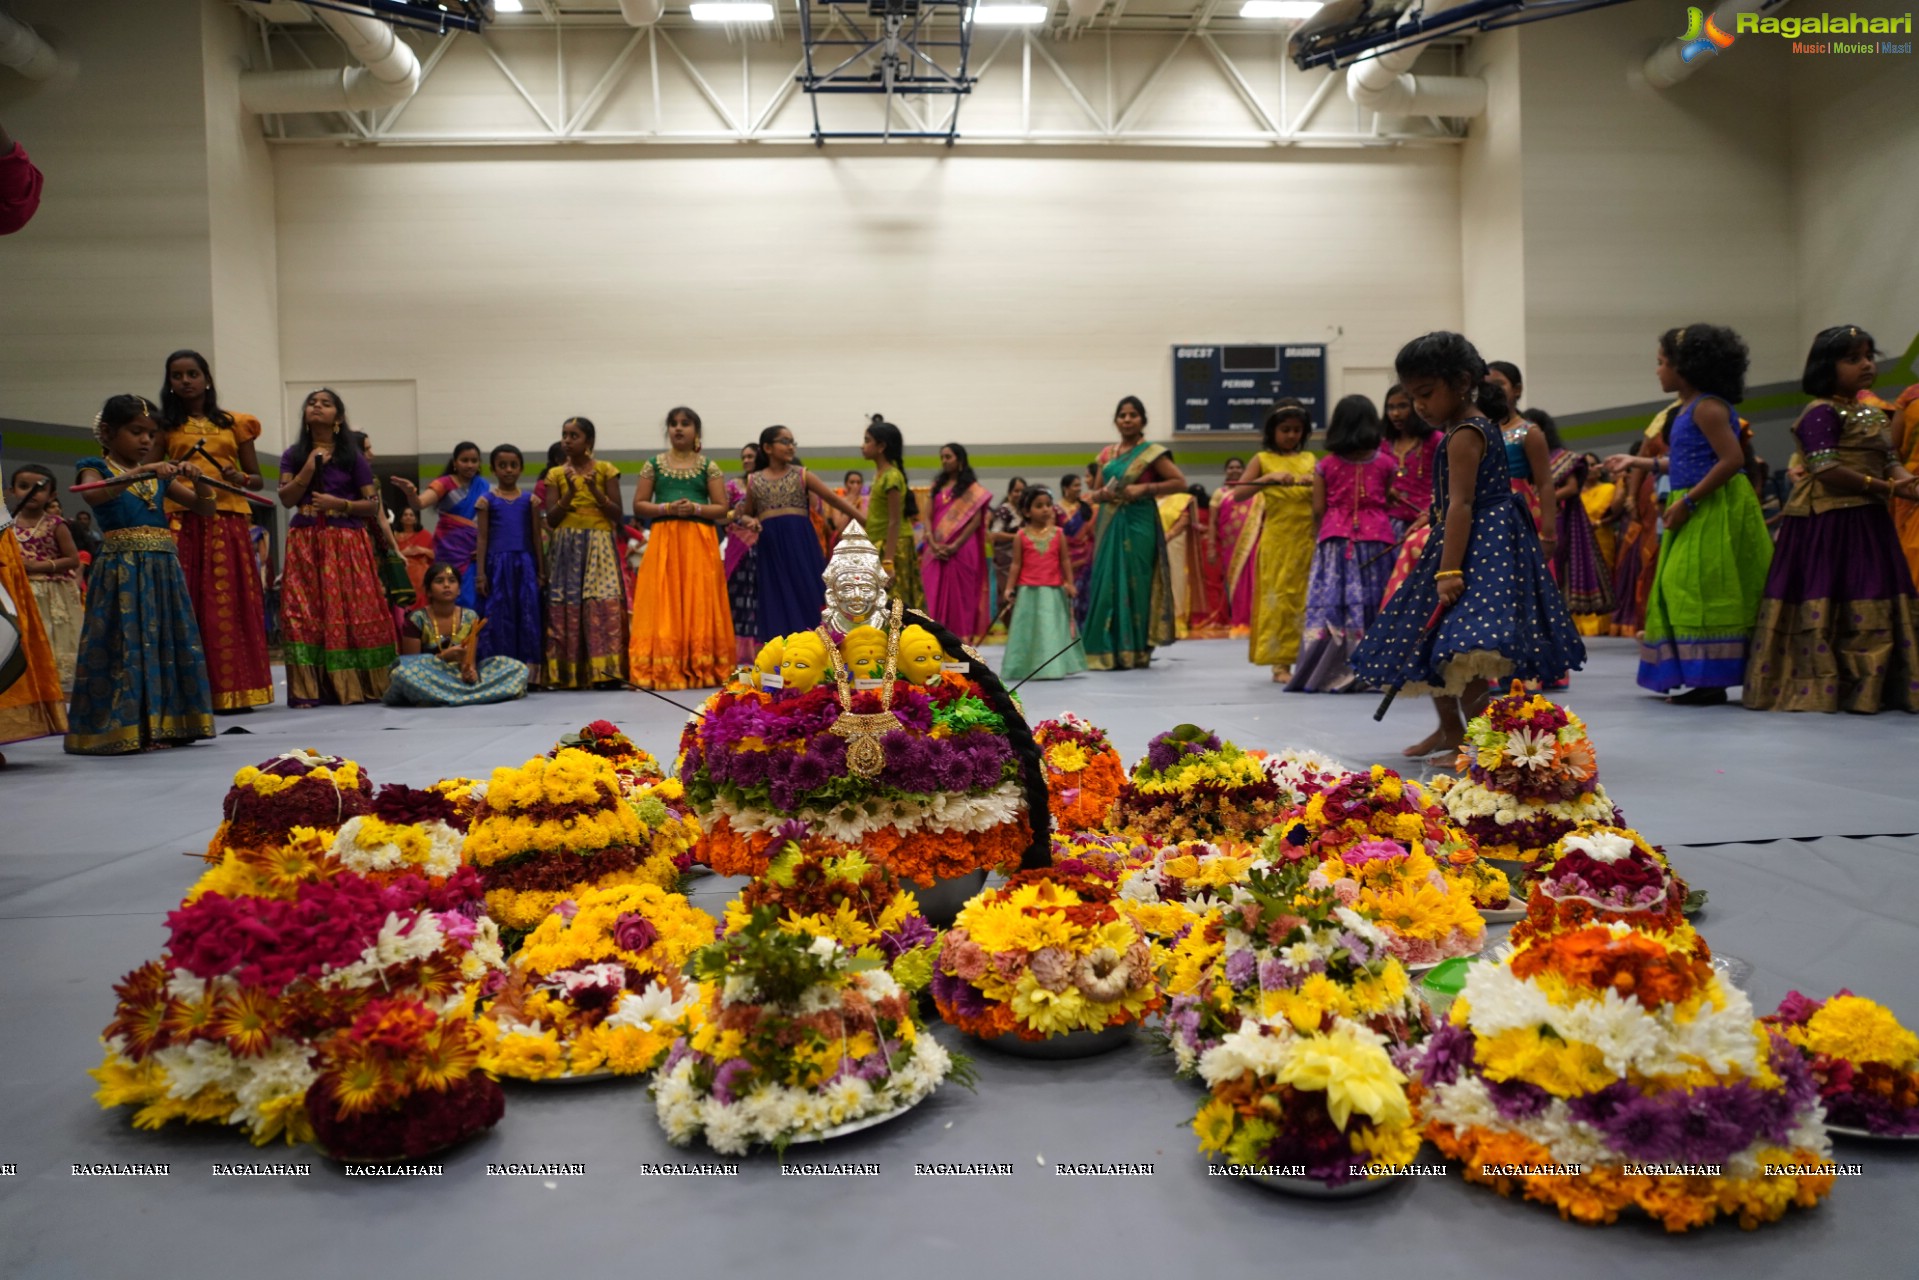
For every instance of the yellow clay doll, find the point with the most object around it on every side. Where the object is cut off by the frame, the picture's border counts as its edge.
(803, 660)
(864, 650)
(920, 655)
(768, 659)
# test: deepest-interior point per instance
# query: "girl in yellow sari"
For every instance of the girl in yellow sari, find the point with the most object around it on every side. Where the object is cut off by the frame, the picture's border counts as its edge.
(1281, 474)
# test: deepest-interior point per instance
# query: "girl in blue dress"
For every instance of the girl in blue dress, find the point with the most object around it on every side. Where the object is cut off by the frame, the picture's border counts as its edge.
(509, 566)
(1481, 603)
(141, 677)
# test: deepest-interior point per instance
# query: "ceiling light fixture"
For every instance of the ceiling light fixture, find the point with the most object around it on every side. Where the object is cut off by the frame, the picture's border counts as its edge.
(508, 6)
(732, 11)
(1288, 10)
(1011, 15)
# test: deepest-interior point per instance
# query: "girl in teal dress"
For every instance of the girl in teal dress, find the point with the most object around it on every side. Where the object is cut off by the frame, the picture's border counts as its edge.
(1131, 609)
(141, 677)
(1039, 584)
(438, 650)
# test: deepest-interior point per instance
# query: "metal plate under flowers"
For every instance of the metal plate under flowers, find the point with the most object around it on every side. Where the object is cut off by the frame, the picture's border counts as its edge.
(855, 1126)
(941, 904)
(1074, 1044)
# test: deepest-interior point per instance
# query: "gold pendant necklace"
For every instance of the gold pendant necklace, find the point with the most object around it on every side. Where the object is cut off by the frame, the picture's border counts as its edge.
(865, 756)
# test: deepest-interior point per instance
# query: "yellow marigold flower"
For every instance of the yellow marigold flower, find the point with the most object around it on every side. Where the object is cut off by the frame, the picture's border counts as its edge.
(1562, 1068)
(526, 1057)
(1858, 1030)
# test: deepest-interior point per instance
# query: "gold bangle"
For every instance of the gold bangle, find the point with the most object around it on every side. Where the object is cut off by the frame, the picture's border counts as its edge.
(1449, 573)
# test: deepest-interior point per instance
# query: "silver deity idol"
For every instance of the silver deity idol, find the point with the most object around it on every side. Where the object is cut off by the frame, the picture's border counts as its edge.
(856, 581)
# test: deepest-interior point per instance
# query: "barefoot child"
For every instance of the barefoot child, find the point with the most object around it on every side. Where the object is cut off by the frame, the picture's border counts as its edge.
(1481, 604)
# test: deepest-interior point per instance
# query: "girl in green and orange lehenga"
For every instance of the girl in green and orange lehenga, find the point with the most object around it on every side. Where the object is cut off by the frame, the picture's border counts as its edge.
(1131, 609)
(682, 633)
(1281, 474)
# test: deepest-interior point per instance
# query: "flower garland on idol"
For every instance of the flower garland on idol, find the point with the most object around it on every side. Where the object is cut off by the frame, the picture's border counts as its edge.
(918, 773)
(822, 889)
(596, 988)
(1084, 773)
(1601, 1067)
(1377, 804)
(1328, 1102)
(1045, 954)
(237, 1023)
(1866, 1063)
(554, 828)
(1192, 786)
(1529, 776)
(1283, 951)
(805, 1038)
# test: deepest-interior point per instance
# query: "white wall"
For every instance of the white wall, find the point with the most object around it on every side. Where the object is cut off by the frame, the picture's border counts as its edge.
(1492, 198)
(1855, 151)
(1000, 298)
(113, 272)
(243, 266)
(1646, 209)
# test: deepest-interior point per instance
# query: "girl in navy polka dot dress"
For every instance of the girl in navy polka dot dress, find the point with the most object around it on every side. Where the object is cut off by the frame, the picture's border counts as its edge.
(1481, 603)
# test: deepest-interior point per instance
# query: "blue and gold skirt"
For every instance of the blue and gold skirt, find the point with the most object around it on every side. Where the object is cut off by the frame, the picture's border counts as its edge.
(141, 676)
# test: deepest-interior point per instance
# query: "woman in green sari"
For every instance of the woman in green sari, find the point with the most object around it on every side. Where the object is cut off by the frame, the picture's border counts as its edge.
(1131, 609)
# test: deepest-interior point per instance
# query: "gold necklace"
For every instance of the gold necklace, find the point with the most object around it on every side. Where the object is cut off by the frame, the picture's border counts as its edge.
(865, 757)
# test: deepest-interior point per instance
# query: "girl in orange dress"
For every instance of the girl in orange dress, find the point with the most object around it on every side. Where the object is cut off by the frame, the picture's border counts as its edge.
(216, 551)
(32, 706)
(682, 633)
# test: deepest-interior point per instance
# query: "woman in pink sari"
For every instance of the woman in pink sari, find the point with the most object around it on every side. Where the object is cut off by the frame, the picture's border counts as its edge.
(1236, 524)
(954, 567)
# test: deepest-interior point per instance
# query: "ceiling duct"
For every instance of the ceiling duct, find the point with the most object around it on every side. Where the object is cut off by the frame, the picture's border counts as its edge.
(1384, 83)
(642, 13)
(389, 74)
(22, 49)
(1345, 31)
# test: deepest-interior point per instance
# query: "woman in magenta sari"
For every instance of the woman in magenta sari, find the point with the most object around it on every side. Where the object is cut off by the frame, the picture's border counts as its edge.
(456, 492)
(954, 567)
(1236, 525)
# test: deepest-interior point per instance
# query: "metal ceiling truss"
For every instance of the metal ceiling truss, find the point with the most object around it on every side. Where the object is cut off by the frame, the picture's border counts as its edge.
(432, 16)
(899, 49)
(1277, 106)
(1377, 28)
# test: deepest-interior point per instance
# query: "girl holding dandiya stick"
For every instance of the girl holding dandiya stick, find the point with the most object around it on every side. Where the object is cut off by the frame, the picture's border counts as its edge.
(1481, 604)
(216, 551)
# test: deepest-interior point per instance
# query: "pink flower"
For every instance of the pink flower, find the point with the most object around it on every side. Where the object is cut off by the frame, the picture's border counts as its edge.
(968, 959)
(634, 932)
(1346, 890)
(1053, 968)
(1009, 965)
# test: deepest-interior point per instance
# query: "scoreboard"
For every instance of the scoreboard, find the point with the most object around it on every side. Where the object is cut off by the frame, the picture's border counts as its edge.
(1220, 389)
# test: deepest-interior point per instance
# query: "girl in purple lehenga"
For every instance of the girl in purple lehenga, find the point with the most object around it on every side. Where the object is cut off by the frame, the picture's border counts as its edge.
(1577, 565)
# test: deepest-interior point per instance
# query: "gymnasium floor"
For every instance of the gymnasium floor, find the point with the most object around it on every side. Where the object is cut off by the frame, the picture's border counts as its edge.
(1801, 828)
